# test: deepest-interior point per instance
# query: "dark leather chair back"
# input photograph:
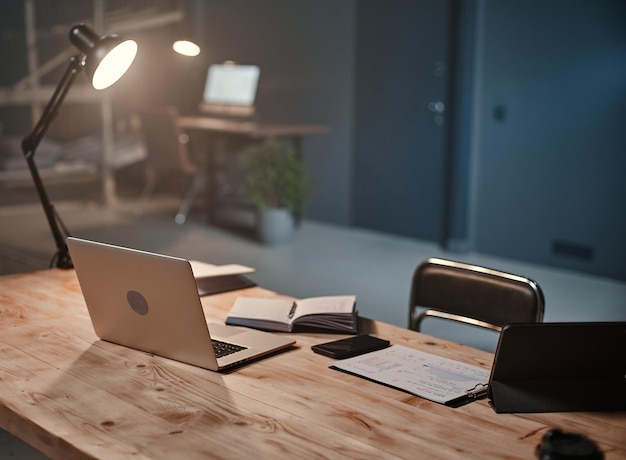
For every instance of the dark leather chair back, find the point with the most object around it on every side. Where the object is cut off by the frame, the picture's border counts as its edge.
(473, 295)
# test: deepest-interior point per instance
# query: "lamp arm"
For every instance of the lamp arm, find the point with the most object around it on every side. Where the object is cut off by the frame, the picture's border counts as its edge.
(29, 147)
(31, 142)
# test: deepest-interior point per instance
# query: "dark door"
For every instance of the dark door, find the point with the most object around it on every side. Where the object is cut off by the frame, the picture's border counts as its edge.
(401, 85)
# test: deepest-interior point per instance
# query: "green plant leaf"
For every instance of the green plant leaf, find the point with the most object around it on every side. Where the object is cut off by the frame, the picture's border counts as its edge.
(275, 176)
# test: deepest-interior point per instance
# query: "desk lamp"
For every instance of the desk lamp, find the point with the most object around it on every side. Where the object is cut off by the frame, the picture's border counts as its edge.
(105, 59)
(185, 42)
(186, 47)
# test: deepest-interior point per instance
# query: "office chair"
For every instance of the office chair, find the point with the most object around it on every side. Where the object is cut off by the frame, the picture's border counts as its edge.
(472, 295)
(168, 157)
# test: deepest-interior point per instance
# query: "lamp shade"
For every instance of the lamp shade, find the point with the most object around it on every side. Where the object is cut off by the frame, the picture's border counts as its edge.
(186, 48)
(106, 58)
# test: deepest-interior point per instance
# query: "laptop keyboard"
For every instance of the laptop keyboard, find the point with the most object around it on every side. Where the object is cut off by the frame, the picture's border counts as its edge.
(224, 348)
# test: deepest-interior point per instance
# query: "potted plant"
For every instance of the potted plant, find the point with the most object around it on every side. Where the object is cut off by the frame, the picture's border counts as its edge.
(277, 184)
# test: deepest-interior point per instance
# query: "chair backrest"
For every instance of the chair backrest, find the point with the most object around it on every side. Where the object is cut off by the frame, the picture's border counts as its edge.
(165, 142)
(473, 295)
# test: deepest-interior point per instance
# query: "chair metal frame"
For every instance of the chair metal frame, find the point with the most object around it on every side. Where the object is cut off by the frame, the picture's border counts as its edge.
(481, 275)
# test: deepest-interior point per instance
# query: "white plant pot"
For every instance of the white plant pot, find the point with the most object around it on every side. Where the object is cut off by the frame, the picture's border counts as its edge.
(275, 226)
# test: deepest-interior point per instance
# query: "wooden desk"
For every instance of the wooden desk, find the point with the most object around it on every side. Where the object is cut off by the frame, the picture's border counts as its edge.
(72, 396)
(251, 129)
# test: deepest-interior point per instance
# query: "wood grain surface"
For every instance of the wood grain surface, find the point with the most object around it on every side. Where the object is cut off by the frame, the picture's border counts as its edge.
(71, 395)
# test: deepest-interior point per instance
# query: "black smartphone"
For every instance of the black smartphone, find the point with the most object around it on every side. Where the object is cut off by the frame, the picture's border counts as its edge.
(352, 346)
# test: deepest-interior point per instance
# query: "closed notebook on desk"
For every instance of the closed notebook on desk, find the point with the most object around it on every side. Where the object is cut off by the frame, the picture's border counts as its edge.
(559, 367)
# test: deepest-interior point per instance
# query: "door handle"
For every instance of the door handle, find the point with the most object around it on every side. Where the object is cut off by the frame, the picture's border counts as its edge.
(437, 106)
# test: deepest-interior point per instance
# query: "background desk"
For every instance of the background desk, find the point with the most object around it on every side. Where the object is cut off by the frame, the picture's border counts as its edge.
(72, 396)
(251, 129)
(223, 132)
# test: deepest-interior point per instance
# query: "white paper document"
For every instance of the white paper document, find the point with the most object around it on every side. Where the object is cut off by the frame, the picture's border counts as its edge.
(203, 269)
(423, 374)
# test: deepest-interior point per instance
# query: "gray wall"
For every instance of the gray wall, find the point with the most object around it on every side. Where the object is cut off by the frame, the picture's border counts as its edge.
(540, 171)
(305, 51)
(551, 146)
(538, 156)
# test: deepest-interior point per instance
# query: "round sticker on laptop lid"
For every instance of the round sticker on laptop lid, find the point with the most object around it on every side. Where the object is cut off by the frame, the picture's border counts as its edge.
(137, 302)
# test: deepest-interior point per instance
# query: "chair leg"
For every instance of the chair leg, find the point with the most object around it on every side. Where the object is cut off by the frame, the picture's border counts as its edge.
(197, 184)
(146, 193)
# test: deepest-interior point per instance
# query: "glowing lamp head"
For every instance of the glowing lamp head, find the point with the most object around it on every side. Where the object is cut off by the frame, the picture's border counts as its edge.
(106, 58)
(186, 48)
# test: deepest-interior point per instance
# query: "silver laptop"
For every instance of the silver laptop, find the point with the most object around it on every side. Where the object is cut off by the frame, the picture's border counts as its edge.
(150, 302)
(230, 90)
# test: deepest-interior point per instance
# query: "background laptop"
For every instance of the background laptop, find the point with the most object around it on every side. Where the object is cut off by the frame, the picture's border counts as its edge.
(558, 367)
(150, 302)
(230, 90)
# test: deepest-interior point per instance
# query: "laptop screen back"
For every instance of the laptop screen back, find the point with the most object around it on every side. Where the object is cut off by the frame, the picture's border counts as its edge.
(556, 367)
(230, 85)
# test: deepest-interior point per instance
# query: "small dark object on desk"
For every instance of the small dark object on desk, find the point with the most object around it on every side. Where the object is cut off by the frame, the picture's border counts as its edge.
(557, 445)
(352, 346)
